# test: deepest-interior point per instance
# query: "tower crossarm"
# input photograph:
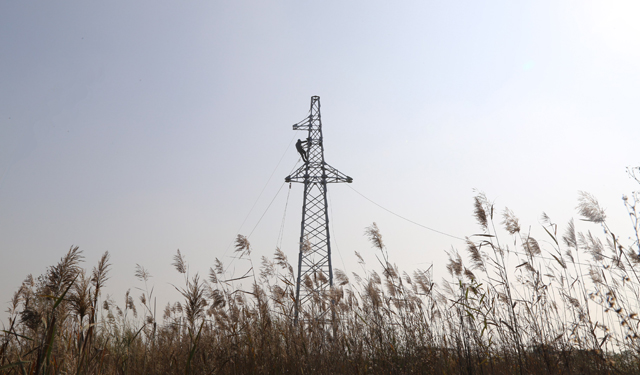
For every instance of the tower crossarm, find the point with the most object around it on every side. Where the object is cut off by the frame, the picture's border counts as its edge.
(327, 174)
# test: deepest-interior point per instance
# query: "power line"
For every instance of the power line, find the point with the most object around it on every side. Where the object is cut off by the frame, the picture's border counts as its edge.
(267, 209)
(259, 220)
(344, 267)
(284, 215)
(262, 191)
(460, 238)
(404, 218)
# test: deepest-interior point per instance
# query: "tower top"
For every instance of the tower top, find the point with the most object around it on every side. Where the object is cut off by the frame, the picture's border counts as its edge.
(315, 168)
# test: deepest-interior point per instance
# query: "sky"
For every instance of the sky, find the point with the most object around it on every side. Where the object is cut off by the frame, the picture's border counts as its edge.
(144, 127)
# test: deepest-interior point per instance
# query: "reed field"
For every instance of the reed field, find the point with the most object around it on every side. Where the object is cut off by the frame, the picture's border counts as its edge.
(567, 303)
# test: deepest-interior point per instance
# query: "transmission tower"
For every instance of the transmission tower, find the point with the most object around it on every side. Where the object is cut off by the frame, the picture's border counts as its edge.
(314, 259)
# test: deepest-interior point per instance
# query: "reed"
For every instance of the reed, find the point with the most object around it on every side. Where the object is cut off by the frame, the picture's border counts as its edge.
(512, 303)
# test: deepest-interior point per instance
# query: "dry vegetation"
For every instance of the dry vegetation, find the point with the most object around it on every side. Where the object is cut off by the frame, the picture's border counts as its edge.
(568, 307)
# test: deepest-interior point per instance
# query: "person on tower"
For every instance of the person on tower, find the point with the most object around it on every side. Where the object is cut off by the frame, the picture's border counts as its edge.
(300, 147)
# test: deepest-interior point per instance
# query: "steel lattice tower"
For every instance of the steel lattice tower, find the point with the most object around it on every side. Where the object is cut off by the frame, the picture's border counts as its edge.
(314, 259)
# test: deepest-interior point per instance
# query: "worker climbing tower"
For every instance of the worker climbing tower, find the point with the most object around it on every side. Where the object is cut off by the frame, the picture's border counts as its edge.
(314, 259)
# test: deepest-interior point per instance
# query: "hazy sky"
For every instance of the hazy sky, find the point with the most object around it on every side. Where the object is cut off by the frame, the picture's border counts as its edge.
(142, 127)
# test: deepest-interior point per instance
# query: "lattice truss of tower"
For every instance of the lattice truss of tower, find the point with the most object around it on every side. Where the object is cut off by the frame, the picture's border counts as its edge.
(315, 273)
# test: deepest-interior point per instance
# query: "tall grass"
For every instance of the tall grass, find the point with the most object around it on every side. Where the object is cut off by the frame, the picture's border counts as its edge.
(511, 304)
